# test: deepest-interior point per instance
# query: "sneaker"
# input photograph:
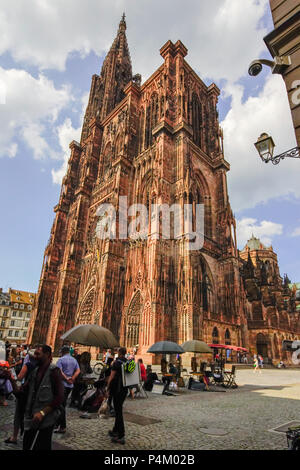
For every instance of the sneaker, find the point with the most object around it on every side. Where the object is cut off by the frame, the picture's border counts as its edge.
(118, 440)
(112, 434)
(10, 441)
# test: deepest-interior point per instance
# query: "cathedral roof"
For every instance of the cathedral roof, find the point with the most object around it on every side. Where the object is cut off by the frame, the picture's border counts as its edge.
(254, 244)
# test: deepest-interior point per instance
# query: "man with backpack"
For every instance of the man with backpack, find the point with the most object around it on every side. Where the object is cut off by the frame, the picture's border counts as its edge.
(116, 388)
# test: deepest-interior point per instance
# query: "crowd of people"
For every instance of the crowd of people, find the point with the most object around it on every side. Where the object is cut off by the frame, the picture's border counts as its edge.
(42, 389)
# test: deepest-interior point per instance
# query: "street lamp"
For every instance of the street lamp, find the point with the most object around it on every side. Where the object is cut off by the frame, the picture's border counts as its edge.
(265, 147)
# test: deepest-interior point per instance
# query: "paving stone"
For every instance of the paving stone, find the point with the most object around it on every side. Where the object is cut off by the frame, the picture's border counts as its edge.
(193, 420)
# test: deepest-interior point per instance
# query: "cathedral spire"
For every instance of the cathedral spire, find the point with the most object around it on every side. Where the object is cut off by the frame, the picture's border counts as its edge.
(119, 49)
(116, 70)
(107, 89)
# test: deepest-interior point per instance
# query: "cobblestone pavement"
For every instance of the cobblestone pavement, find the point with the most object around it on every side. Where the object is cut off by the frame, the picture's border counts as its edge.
(235, 419)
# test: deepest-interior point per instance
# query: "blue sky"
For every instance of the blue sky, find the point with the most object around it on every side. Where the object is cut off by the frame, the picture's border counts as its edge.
(47, 64)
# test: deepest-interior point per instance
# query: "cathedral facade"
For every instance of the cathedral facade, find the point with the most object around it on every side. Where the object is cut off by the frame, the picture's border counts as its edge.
(156, 143)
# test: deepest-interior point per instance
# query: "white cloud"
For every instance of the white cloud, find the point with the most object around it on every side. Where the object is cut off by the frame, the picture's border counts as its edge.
(31, 105)
(44, 33)
(264, 230)
(296, 232)
(12, 150)
(250, 181)
(32, 135)
(66, 133)
(222, 35)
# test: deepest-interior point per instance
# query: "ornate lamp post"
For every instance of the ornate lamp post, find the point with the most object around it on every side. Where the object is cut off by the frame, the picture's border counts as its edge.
(265, 147)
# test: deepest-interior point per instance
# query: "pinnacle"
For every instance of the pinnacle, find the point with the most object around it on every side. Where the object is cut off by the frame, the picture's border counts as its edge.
(122, 25)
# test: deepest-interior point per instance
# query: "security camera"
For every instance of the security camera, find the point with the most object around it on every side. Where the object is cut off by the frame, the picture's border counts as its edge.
(255, 68)
(278, 65)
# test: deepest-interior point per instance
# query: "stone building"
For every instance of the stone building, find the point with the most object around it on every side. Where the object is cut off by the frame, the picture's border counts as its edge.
(157, 143)
(16, 308)
(284, 40)
(273, 315)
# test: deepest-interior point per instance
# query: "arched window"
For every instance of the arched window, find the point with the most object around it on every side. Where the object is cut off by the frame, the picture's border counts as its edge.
(196, 119)
(154, 109)
(118, 145)
(261, 345)
(152, 114)
(142, 126)
(208, 295)
(106, 162)
(86, 309)
(227, 337)
(215, 335)
(133, 321)
(147, 139)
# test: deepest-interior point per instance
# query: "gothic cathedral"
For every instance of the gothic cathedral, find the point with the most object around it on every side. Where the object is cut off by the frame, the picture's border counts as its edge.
(155, 143)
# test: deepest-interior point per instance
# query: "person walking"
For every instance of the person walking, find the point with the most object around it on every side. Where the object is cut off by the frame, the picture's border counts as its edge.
(5, 386)
(107, 373)
(70, 370)
(143, 370)
(119, 392)
(45, 394)
(7, 350)
(84, 361)
(29, 365)
(255, 364)
(260, 362)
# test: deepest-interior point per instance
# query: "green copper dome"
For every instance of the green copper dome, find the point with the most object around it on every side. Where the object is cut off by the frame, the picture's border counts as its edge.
(254, 244)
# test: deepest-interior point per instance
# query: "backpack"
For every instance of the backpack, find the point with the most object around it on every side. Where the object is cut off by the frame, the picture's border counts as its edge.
(129, 366)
